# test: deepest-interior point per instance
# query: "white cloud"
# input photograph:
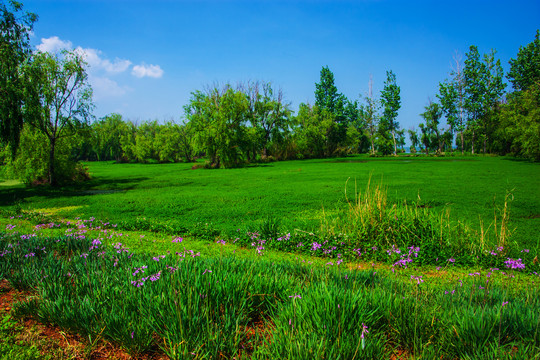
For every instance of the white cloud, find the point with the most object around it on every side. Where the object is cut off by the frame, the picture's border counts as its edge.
(119, 65)
(153, 71)
(54, 44)
(105, 88)
(94, 59)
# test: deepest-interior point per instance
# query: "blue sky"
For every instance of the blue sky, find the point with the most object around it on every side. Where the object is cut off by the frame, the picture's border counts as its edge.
(146, 57)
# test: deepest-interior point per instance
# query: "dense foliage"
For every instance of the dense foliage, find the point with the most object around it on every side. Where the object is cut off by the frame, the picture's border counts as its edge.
(15, 29)
(476, 107)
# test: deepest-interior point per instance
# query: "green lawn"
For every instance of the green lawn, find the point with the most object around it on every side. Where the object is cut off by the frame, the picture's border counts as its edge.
(295, 192)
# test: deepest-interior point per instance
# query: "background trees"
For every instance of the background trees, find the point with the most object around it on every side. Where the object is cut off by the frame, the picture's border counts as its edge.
(46, 99)
(518, 131)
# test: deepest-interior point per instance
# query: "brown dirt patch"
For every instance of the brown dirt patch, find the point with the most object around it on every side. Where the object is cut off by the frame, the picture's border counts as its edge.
(52, 340)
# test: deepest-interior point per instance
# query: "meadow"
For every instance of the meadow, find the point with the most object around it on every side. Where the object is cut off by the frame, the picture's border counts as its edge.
(295, 194)
(351, 258)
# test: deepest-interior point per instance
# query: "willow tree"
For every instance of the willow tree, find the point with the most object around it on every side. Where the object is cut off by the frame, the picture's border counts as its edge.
(59, 99)
(218, 118)
(15, 27)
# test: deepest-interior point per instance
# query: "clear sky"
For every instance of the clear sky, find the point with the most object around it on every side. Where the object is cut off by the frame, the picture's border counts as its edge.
(146, 57)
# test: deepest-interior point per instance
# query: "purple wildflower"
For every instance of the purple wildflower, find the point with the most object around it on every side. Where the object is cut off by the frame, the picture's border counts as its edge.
(156, 276)
(514, 264)
(364, 331)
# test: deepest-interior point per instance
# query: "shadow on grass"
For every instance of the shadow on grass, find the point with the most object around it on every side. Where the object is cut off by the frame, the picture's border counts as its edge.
(12, 195)
(518, 159)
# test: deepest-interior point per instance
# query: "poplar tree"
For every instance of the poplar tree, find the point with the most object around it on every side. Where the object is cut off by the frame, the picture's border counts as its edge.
(391, 103)
(483, 89)
(452, 98)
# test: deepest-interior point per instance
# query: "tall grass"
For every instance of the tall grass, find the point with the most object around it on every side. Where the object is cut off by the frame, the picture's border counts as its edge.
(370, 217)
(370, 227)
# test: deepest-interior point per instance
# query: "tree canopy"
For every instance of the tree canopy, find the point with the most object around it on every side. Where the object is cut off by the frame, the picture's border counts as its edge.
(15, 27)
(525, 68)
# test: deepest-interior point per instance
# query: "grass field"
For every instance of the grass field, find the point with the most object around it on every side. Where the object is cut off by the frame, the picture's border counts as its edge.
(293, 193)
(427, 289)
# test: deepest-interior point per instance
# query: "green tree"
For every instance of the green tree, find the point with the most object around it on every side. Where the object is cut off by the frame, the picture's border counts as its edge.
(452, 98)
(313, 132)
(268, 114)
(327, 98)
(493, 79)
(185, 144)
(483, 89)
(59, 99)
(218, 118)
(169, 143)
(144, 149)
(106, 137)
(128, 132)
(431, 134)
(415, 141)
(15, 27)
(518, 132)
(391, 103)
(369, 112)
(525, 68)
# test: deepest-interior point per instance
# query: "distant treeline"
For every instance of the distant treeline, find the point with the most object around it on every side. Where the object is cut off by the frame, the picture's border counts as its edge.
(46, 127)
(231, 126)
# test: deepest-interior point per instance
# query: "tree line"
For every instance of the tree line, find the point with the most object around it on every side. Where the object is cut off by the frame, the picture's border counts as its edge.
(234, 125)
(46, 118)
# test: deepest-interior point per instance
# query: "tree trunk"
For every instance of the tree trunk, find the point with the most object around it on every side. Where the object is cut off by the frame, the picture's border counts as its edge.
(461, 143)
(472, 142)
(52, 177)
(395, 145)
